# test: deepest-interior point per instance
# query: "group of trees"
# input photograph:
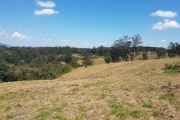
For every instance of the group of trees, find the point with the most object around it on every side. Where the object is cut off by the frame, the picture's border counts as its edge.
(125, 48)
(27, 63)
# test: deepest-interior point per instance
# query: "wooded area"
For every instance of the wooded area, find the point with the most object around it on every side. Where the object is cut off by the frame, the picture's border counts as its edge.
(29, 63)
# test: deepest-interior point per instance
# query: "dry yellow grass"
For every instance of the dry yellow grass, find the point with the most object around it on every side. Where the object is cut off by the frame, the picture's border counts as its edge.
(125, 90)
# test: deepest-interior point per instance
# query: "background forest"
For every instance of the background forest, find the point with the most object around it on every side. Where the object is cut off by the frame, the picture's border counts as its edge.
(28, 63)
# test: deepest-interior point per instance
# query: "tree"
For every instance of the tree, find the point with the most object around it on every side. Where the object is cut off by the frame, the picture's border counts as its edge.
(120, 49)
(136, 40)
(107, 59)
(172, 50)
(144, 55)
(87, 58)
(161, 52)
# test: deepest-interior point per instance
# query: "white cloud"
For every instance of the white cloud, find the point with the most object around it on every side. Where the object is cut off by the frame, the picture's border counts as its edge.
(29, 30)
(20, 36)
(163, 41)
(50, 40)
(45, 12)
(167, 14)
(65, 41)
(19, 28)
(166, 25)
(48, 4)
(3, 33)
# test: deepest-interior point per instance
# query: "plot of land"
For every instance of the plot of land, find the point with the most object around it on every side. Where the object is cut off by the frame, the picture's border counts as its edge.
(125, 90)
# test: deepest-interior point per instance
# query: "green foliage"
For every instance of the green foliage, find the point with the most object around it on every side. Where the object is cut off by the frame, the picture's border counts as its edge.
(10, 116)
(157, 113)
(118, 109)
(144, 56)
(87, 59)
(173, 49)
(169, 97)
(107, 59)
(173, 67)
(147, 105)
(136, 113)
(42, 116)
(82, 116)
(161, 52)
(59, 117)
(120, 49)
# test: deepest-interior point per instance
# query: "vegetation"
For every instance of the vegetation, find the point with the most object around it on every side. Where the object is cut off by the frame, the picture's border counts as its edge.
(161, 52)
(107, 59)
(27, 63)
(125, 90)
(173, 49)
(144, 56)
(175, 67)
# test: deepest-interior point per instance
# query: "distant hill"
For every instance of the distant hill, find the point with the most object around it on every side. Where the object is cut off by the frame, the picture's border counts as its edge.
(3, 45)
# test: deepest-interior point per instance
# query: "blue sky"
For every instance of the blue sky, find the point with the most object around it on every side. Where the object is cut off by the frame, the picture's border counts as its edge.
(88, 23)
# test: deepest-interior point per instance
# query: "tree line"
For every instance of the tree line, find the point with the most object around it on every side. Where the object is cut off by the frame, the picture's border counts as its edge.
(35, 63)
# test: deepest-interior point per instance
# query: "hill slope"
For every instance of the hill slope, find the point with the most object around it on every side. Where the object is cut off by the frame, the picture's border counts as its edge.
(125, 90)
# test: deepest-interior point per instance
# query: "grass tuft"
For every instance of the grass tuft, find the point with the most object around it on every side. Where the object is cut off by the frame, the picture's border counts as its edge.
(147, 105)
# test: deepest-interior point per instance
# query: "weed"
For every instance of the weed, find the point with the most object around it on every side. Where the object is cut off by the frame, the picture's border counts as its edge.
(127, 89)
(41, 115)
(64, 104)
(74, 93)
(82, 108)
(93, 84)
(136, 113)
(169, 97)
(118, 109)
(82, 116)
(157, 113)
(59, 117)
(10, 116)
(147, 105)
(59, 109)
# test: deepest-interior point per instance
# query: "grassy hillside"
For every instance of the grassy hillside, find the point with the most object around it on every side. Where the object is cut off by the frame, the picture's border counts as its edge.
(125, 90)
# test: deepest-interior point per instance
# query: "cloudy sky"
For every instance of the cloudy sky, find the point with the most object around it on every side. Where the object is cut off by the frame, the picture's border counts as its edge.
(88, 23)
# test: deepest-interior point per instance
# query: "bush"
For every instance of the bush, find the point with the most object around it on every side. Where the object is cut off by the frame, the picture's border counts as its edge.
(174, 66)
(107, 59)
(144, 56)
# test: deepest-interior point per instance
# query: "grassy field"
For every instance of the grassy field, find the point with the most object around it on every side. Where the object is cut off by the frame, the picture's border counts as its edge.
(126, 90)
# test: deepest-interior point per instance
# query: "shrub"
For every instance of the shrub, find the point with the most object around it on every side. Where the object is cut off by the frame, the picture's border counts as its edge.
(144, 56)
(174, 66)
(107, 59)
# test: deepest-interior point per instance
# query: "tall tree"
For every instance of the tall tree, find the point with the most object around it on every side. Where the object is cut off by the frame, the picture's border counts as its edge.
(121, 49)
(136, 40)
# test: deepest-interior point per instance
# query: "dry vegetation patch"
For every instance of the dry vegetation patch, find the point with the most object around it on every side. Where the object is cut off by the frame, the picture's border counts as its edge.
(125, 90)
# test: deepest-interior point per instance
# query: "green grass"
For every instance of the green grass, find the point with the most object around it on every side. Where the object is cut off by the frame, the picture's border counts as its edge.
(41, 116)
(10, 116)
(58, 109)
(81, 116)
(93, 84)
(157, 113)
(169, 97)
(147, 105)
(136, 113)
(118, 109)
(59, 117)
(122, 112)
